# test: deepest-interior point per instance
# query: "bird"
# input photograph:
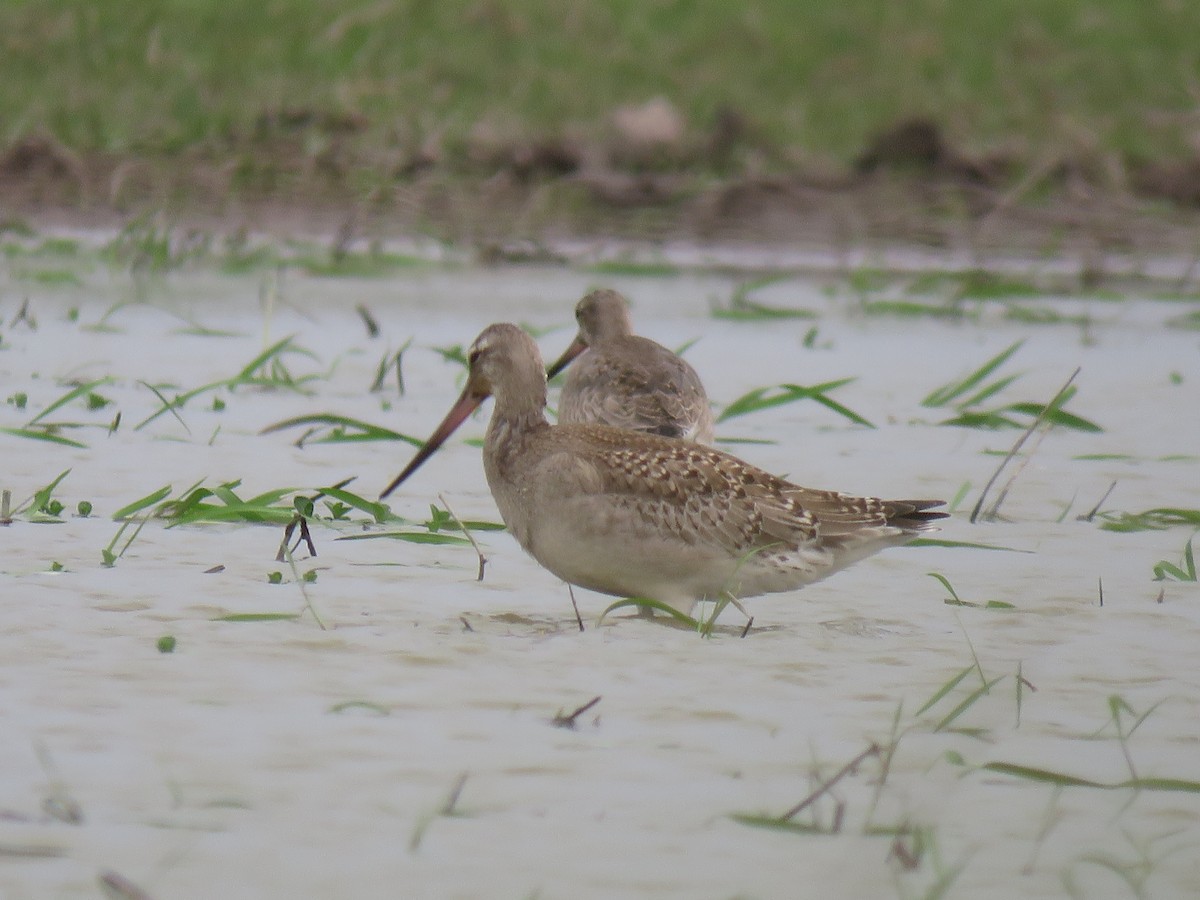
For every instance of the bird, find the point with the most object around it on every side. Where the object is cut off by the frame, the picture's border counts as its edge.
(628, 381)
(651, 517)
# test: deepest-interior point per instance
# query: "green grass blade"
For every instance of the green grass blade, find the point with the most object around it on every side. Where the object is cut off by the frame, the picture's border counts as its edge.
(992, 421)
(167, 405)
(945, 689)
(989, 391)
(967, 703)
(36, 434)
(373, 508)
(66, 398)
(955, 389)
(412, 537)
(270, 498)
(362, 431)
(945, 583)
(843, 411)
(778, 395)
(651, 604)
(178, 402)
(1062, 779)
(1054, 415)
(1164, 570)
(967, 545)
(225, 493)
(1151, 519)
(201, 513)
(278, 348)
(138, 505)
(43, 494)
(774, 823)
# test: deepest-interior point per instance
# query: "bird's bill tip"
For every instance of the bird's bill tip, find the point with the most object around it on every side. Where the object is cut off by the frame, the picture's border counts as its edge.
(577, 346)
(466, 404)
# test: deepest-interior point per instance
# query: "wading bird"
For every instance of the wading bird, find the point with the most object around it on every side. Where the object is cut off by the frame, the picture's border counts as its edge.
(628, 381)
(649, 517)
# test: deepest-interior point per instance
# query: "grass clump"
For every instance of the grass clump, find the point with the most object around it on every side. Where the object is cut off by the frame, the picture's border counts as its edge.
(967, 395)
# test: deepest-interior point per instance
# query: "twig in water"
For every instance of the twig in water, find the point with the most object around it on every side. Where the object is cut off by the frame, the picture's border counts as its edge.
(118, 887)
(368, 320)
(1161, 593)
(1099, 503)
(291, 561)
(908, 859)
(301, 520)
(452, 799)
(1020, 441)
(305, 536)
(24, 316)
(470, 537)
(1100, 585)
(993, 512)
(465, 623)
(575, 606)
(746, 630)
(414, 842)
(1050, 818)
(848, 769)
(568, 721)
(58, 802)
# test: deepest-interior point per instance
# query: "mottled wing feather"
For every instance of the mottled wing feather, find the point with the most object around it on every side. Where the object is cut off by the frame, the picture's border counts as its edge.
(698, 494)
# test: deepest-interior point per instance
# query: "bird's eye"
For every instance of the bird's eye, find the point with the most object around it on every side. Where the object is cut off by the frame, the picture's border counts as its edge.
(473, 357)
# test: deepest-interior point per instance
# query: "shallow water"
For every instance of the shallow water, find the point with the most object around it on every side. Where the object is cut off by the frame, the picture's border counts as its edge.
(274, 758)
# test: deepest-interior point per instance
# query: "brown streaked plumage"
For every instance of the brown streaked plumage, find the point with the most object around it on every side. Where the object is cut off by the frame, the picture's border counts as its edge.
(628, 381)
(639, 515)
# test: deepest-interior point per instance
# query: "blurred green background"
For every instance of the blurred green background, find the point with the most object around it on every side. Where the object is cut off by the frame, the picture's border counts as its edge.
(811, 78)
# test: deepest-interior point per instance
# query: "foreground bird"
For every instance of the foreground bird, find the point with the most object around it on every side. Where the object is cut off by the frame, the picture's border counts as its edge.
(637, 515)
(628, 381)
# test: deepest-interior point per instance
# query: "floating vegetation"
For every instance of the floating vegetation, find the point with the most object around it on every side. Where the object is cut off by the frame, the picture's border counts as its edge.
(964, 545)
(1164, 570)
(330, 428)
(1044, 315)
(267, 370)
(633, 268)
(344, 264)
(955, 600)
(199, 505)
(778, 395)
(1189, 321)
(742, 309)
(1156, 519)
(39, 430)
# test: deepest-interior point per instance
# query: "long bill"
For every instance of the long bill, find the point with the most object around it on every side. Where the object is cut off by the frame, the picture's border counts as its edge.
(577, 347)
(466, 404)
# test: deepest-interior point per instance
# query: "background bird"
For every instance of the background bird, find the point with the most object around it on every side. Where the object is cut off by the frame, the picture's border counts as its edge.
(628, 381)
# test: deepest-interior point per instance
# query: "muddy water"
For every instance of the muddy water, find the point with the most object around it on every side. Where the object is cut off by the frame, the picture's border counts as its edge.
(277, 759)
